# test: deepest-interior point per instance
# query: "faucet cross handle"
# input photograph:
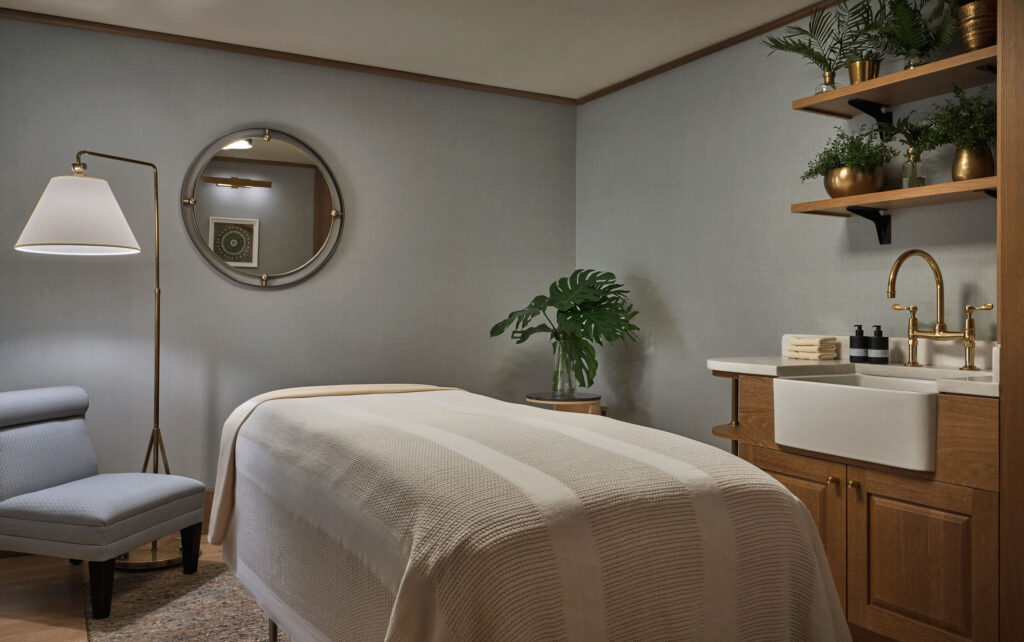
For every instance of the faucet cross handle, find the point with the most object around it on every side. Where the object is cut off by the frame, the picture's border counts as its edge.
(970, 309)
(969, 330)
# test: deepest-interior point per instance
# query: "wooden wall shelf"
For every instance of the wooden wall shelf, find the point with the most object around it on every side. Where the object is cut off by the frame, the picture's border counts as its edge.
(934, 79)
(938, 194)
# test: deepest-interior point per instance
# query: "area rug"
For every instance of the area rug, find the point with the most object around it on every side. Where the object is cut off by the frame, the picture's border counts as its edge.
(168, 605)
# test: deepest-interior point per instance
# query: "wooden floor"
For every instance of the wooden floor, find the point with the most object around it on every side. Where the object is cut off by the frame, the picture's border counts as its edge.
(41, 597)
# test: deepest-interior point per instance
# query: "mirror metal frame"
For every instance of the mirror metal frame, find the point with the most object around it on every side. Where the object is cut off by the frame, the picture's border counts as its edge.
(282, 279)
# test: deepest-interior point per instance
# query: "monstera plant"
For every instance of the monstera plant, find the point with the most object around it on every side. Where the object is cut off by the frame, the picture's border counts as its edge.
(587, 307)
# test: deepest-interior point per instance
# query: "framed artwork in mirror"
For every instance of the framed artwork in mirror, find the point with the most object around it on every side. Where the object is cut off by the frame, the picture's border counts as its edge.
(236, 240)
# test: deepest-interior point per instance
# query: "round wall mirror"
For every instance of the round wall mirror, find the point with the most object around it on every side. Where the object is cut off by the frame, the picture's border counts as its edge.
(262, 208)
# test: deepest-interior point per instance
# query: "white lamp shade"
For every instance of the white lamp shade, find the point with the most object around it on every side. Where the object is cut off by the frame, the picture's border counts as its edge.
(77, 215)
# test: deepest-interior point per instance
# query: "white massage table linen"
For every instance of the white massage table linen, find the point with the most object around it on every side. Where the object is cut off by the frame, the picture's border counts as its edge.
(444, 515)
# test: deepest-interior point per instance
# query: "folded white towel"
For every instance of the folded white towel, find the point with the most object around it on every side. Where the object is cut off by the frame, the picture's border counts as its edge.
(813, 349)
(812, 356)
(811, 340)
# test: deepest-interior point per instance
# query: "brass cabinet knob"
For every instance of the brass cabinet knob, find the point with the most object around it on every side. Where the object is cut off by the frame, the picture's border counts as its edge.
(853, 483)
(832, 480)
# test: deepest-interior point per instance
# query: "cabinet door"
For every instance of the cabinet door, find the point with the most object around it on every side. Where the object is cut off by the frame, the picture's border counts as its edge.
(821, 486)
(922, 558)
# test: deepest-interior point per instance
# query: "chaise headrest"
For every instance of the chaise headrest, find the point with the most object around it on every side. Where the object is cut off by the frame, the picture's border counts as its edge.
(41, 404)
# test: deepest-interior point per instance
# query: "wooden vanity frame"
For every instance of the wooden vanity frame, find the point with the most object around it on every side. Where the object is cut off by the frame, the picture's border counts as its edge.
(1010, 310)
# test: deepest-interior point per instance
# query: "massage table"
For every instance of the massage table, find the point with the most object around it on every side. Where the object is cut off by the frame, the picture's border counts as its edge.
(408, 512)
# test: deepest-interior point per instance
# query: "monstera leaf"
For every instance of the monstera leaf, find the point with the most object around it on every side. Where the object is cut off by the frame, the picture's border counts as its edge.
(581, 357)
(590, 307)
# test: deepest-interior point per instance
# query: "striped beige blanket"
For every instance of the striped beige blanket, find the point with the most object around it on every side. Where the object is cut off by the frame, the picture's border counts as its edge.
(437, 514)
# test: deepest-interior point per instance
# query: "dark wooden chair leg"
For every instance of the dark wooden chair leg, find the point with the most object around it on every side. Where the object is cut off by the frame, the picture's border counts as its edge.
(272, 631)
(190, 536)
(101, 586)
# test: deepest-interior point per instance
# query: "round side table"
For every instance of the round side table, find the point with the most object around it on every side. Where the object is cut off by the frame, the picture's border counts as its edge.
(583, 402)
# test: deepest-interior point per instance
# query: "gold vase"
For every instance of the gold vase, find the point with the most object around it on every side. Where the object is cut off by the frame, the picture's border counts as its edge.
(976, 162)
(861, 70)
(846, 181)
(977, 22)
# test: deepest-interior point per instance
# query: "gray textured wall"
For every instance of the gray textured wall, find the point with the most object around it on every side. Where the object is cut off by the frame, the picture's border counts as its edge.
(684, 184)
(459, 207)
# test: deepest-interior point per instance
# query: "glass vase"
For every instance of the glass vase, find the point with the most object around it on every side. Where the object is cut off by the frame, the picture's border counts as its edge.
(912, 170)
(914, 60)
(828, 83)
(563, 383)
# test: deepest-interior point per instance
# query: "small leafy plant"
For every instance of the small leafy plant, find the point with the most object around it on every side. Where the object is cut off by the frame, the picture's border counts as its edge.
(915, 28)
(964, 121)
(589, 307)
(859, 149)
(918, 137)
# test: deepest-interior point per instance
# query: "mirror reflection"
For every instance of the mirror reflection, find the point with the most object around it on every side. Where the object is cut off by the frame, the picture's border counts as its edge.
(263, 206)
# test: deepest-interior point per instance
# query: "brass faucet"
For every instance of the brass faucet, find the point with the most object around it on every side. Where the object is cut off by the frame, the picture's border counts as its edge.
(940, 333)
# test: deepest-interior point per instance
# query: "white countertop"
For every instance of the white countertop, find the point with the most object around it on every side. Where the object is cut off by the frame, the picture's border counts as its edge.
(949, 380)
(779, 366)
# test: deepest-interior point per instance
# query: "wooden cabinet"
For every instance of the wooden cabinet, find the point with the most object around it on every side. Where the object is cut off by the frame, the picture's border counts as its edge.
(821, 486)
(921, 558)
(914, 555)
(913, 559)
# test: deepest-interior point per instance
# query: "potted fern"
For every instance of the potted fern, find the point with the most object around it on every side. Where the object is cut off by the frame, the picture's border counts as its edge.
(968, 123)
(588, 307)
(851, 163)
(863, 57)
(823, 42)
(915, 29)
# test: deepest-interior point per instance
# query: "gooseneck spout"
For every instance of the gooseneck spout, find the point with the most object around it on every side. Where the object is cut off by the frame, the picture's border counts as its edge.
(940, 321)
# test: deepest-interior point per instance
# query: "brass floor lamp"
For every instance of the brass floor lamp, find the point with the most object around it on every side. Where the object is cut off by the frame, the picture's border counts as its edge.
(79, 215)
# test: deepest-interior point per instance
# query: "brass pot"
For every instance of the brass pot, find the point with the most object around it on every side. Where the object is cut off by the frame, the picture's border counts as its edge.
(977, 22)
(976, 162)
(861, 70)
(846, 181)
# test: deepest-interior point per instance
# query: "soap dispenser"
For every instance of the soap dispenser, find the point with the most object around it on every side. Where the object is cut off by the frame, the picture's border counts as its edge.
(878, 347)
(858, 345)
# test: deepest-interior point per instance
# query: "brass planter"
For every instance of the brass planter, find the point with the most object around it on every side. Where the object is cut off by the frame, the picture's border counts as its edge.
(861, 70)
(846, 181)
(977, 22)
(971, 163)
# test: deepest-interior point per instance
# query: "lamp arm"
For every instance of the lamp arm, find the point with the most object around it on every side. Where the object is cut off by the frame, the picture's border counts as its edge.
(156, 442)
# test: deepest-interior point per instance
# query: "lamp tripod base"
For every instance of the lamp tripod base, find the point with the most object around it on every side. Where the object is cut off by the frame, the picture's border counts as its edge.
(164, 552)
(159, 554)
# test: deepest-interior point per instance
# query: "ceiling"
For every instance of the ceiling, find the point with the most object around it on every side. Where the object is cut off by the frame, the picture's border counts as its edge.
(566, 48)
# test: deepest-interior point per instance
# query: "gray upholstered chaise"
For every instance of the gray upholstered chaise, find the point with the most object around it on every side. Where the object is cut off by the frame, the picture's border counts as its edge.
(53, 502)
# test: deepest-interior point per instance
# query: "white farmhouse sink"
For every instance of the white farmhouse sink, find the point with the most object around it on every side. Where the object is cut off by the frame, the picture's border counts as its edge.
(885, 420)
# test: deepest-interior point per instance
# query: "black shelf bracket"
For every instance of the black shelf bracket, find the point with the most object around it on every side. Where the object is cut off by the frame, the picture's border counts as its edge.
(990, 192)
(878, 111)
(883, 222)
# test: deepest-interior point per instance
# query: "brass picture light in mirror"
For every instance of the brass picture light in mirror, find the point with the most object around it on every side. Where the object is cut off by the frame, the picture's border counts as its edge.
(234, 182)
(265, 238)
